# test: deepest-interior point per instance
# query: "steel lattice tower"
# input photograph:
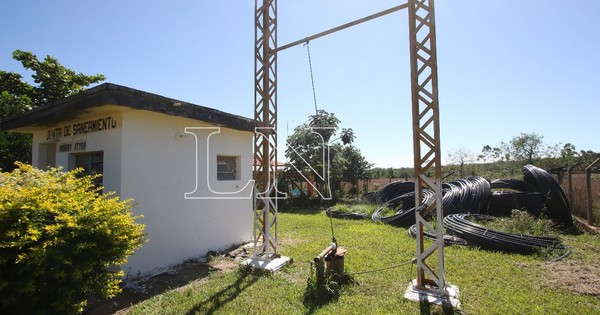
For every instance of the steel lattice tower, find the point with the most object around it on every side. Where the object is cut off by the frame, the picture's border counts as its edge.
(265, 115)
(426, 130)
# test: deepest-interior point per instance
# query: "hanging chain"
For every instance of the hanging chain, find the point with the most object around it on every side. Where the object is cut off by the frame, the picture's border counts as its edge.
(312, 79)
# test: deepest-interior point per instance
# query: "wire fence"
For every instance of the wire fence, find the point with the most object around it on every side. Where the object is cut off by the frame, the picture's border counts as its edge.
(578, 195)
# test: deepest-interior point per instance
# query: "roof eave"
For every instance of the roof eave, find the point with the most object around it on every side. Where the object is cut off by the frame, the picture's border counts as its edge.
(112, 94)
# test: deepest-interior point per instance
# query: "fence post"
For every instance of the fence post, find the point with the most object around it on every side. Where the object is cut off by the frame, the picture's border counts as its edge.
(588, 183)
(570, 192)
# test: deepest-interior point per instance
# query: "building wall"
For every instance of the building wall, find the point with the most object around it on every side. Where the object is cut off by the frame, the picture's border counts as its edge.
(159, 168)
(149, 157)
(107, 140)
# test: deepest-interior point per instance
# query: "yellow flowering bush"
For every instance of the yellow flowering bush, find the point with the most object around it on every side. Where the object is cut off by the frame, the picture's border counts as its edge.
(60, 240)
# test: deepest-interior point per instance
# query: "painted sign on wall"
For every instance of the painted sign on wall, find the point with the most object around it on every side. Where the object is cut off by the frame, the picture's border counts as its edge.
(69, 147)
(79, 128)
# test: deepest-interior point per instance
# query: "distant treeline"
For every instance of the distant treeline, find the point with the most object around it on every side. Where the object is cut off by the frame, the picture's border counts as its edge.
(493, 170)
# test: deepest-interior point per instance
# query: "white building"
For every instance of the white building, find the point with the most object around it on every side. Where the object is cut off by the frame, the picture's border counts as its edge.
(183, 181)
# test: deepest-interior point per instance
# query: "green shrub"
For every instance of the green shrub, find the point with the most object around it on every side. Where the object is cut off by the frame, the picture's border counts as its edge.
(60, 241)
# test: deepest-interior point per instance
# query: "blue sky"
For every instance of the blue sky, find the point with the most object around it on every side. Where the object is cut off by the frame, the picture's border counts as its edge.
(505, 66)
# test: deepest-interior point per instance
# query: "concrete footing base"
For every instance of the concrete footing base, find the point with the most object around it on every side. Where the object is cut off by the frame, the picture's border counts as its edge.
(268, 265)
(448, 297)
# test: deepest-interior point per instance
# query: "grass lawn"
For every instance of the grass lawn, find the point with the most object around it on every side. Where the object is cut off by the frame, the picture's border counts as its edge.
(489, 282)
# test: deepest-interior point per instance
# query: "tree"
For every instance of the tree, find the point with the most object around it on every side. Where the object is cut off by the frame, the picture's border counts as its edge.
(307, 148)
(355, 166)
(406, 172)
(487, 154)
(493, 154)
(52, 82)
(15, 98)
(375, 172)
(527, 147)
(459, 156)
(569, 155)
(390, 173)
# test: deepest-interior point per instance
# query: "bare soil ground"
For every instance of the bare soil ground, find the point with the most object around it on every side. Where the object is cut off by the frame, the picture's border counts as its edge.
(575, 276)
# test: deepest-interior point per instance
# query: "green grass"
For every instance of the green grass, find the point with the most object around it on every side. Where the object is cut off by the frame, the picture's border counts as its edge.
(521, 222)
(489, 282)
(365, 208)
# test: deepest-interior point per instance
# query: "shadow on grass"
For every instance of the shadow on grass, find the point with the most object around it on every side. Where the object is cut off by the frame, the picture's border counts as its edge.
(302, 211)
(322, 292)
(304, 205)
(427, 308)
(246, 277)
(146, 288)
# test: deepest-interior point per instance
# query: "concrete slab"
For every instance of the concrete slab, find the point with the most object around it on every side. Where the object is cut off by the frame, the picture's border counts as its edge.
(449, 296)
(269, 265)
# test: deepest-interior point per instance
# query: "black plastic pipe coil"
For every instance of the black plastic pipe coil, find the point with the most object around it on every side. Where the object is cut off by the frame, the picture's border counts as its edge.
(404, 206)
(557, 204)
(448, 239)
(478, 235)
(393, 190)
(463, 195)
(512, 184)
(345, 215)
(502, 203)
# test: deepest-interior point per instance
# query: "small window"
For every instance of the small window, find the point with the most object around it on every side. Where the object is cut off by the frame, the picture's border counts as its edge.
(227, 168)
(92, 164)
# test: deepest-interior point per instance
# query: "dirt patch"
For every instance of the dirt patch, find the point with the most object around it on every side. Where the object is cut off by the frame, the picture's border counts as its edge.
(290, 241)
(223, 263)
(574, 276)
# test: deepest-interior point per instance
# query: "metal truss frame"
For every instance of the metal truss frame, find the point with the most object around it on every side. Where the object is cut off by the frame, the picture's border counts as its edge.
(265, 140)
(426, 130)
(426, 139)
